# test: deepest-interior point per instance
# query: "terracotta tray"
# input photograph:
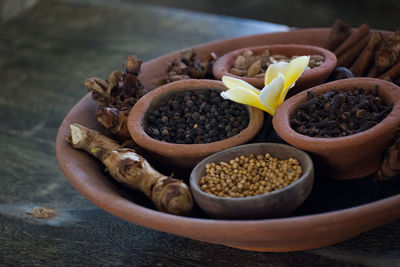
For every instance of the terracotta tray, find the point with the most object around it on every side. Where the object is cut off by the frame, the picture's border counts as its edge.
(335, 210)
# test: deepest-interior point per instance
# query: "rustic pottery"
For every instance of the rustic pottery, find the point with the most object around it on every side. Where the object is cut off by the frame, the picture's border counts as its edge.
(185, 155)
(309, 78)
(352, 156)
(277, 203)
(291, 233)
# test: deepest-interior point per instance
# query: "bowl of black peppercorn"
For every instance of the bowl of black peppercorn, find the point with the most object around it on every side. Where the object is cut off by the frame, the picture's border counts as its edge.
(182, 122)
(346, 124)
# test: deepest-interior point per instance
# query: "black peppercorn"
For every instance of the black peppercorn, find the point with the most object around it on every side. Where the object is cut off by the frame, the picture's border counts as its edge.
(201, 116)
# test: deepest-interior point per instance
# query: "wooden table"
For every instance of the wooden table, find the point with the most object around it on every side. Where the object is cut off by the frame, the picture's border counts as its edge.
(45, 55)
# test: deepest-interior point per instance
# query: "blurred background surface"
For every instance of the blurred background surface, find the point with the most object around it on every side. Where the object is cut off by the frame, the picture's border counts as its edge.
(384, 14)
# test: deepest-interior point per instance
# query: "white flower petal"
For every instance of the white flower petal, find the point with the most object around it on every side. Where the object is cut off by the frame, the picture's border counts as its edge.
(274, 69)
(243, 96)
(270, 94)
(232, 82)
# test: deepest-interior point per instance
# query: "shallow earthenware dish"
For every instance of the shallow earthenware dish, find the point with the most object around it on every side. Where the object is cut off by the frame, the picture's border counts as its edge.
(309, 78)
(185, 155)
(347, 157)
(277, 203)
(309, 230)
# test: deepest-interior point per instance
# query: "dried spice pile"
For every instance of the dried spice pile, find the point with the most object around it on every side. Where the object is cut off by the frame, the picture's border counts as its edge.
(251, 175)
(189, 66)
(116, 96)
(366, 52)
(250, 65)
(339, 113)
(196, 117)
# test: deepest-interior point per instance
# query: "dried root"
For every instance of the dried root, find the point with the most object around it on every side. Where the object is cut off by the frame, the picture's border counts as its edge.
(126, 166)
(116, 96)
(389, 52)
(390, 166)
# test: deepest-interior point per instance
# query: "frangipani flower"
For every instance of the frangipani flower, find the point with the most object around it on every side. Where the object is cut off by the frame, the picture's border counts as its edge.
(279, 78)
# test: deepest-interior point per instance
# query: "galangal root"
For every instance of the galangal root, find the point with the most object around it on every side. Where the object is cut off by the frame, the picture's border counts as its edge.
(126, 166)
(116, 96)
(390, 166)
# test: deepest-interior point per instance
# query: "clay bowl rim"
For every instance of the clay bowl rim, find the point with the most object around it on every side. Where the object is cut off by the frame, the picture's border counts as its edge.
(136, 116)
(224, 63)
(193, 180)
(281, 122)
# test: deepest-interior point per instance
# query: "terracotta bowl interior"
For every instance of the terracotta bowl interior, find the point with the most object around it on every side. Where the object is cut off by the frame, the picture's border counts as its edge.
(274, 204)
(308, 79)
(352, 156)
(184, 155)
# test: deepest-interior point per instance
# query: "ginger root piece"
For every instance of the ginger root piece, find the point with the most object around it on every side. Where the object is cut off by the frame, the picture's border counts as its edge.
(126, 166)
(388, 53)
(116, 96)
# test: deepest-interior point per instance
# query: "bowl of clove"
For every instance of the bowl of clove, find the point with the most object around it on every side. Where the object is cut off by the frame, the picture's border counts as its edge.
(260, 180)
(250, 64)
(346, 124)
(182, 122)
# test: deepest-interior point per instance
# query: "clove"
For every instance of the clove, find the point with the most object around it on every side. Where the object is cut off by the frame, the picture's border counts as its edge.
(339, 113)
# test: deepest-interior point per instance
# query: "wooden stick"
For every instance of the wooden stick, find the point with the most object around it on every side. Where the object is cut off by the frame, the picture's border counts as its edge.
(366, 58)
(346, 59)
(393, 73)
(339, 33)
(353, 39)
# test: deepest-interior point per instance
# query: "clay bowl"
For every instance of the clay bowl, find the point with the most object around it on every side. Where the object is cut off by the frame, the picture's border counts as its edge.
(352, 156)
(309, 78)
(184, 155)
(277, 203)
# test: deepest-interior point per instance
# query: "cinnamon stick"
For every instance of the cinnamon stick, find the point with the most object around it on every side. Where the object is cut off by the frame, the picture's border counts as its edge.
(339, 33)
(352, 40)
(393, 73)
(346, 59)
(373, 72)
(366, 58)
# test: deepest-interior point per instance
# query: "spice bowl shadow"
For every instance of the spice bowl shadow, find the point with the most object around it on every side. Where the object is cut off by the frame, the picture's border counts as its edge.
(278, 203)
(346, 157)
(309, 78)
(185, 156)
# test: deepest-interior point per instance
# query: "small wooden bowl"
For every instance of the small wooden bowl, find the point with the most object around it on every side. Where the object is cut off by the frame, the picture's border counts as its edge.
(277, 203)
(352, 156)
(309, 78)
(185, 155)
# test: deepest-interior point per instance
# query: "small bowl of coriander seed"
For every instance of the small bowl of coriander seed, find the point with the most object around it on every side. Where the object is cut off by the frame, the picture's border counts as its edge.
(252, 181)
